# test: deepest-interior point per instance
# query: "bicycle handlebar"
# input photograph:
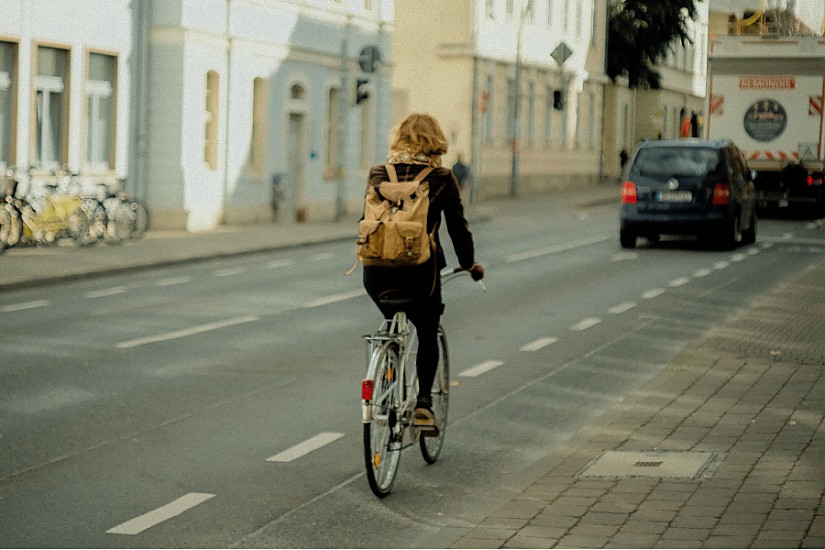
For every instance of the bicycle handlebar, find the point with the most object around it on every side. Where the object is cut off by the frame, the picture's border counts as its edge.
(448, 274)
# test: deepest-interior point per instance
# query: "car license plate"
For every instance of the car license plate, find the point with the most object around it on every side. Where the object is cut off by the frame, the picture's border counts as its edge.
(674, 196)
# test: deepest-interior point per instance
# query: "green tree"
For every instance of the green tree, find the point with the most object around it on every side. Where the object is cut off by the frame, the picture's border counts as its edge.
(639, 34)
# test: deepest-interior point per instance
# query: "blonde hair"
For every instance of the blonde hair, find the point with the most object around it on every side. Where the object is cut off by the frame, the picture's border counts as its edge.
(419, 134)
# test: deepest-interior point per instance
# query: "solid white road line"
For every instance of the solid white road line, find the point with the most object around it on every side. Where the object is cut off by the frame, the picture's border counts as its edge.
(312, 444)
(539, 344)
(653, 293)
(343, 296)
(173, 281)
(159, 515)
(24, 305)
(586, 323)
(563, 247)
(621, 308)
(481, 368)
(185, 332)
(105, 292)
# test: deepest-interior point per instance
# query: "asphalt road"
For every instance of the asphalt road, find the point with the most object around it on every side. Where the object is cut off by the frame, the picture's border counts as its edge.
(216, 404)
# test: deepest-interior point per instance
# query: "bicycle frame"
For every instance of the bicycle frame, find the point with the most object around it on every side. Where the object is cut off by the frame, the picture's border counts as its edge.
(401, 332)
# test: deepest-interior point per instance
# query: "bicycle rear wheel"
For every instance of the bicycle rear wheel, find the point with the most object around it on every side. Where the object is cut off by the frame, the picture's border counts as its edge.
(431, 446)
(382, 445)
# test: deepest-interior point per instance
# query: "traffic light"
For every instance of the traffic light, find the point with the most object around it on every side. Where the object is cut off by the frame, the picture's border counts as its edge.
(361, 91)
(558, 100)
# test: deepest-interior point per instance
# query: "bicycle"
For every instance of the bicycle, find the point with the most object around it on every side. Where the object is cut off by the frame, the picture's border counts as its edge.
(389, 394)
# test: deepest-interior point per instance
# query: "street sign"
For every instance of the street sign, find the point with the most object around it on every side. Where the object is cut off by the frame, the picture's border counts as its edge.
(369, 59)
(561, 53)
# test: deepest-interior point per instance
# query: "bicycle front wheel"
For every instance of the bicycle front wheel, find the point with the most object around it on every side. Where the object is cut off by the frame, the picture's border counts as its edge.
(431, 446)
(382, 438)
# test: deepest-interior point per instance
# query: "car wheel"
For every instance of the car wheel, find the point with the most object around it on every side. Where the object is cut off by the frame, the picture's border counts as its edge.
(730, 234)
(749, 235)
(627, 239)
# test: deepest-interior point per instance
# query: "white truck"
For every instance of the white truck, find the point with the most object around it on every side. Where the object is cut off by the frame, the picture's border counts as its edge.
(766, 94)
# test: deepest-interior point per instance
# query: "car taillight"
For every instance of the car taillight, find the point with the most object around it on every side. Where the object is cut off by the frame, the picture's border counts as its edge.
(721, 194)
(366, 389)
(629, 193)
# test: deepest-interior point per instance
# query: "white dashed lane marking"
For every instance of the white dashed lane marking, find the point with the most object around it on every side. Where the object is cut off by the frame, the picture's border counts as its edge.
(105, 292)
(481, 368)
(587, 323)
(191, 331)
(541, 343)
(653, 293)
(622, 308)
(174, 281)
(25, 305)
(306, 447)
(159, 515)
(681, 281)
(229, 271)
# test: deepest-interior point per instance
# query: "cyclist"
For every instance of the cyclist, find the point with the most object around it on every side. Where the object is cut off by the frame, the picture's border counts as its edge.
(416, 143)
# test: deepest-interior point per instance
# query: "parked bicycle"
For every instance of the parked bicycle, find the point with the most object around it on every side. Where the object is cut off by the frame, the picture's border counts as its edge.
(389, 390)
(56, 205)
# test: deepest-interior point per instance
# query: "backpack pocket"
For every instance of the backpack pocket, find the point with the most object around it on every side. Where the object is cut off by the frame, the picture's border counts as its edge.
(370, 240)
(407, 242)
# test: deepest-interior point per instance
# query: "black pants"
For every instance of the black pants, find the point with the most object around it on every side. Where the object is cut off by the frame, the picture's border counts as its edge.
(423, 285)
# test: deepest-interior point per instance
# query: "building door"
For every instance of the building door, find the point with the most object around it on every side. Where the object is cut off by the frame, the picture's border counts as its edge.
(296, 159)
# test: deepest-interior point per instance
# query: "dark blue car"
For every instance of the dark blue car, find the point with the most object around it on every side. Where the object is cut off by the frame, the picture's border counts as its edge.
(688, 187)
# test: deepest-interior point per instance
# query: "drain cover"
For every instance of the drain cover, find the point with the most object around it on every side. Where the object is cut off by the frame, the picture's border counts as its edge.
(680, 465)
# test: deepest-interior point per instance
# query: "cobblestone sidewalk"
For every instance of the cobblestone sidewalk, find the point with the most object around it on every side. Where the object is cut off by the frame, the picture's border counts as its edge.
(739, 417)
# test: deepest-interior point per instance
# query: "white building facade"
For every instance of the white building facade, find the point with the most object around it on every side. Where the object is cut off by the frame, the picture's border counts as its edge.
(204, 106)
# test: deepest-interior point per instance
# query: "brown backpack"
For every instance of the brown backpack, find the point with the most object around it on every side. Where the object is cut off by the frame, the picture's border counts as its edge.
(393, 232)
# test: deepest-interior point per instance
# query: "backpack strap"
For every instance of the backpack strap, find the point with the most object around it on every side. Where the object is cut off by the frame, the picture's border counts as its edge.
(391, 172)
(422, 174)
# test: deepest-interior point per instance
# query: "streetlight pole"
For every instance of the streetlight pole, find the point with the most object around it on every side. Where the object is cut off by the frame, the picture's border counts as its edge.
(514, 165)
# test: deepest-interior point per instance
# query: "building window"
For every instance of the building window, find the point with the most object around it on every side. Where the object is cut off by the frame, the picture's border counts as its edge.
(100, 111)
(333, 131)
(8, 91)
(210, 140)
(51, 107)
(257, 143)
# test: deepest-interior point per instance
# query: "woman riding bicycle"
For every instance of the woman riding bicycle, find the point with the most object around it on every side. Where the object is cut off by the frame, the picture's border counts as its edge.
(418, 142)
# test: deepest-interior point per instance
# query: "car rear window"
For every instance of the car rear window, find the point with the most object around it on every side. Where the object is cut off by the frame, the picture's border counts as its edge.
(672, 161)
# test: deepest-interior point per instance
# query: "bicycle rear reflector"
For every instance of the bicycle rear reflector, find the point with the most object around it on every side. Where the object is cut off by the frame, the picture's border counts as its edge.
(366, 389)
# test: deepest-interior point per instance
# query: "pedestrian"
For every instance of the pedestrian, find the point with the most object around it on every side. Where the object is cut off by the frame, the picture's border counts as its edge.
(417, 143)
(623, 158)
(462, 173)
